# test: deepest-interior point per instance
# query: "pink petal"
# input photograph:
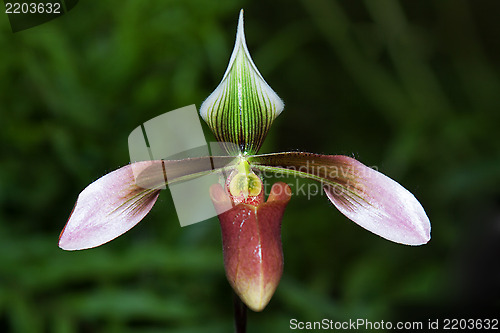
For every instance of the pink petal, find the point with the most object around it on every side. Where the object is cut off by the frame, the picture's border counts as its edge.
(116, 202)
(109, 207)
(367, 197)
(381, 205)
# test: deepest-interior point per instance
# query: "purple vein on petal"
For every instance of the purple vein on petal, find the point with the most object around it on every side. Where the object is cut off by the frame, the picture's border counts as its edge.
(116, 202)
(108, 207)
(366, 196)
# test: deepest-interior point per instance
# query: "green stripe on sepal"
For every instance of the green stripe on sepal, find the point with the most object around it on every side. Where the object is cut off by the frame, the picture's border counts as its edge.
(242, 108)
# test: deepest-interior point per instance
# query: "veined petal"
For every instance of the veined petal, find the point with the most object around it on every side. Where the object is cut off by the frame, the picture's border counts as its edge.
(116, 202)
(367, 197)
(109, 207)
(243, 106)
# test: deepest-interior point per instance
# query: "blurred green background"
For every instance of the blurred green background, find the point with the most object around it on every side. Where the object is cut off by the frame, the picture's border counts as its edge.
(411, 87)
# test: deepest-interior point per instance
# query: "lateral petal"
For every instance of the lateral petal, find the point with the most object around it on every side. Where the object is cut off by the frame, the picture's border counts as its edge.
(109, 207)
(366, 196)
(116, 202)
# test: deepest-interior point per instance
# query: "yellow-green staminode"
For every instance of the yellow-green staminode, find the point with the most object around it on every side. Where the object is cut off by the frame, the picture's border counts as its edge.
(245, 182)
(242, 108)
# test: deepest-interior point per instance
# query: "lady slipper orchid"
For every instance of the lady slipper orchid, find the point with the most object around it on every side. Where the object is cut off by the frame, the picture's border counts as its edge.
(240, 112)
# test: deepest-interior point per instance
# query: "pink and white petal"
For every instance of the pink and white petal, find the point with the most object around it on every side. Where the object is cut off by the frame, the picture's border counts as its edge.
(116, 202)
(380, 205)
(110, 206)
(367, 197)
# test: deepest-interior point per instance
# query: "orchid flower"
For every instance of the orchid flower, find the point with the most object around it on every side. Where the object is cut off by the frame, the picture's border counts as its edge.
(240, 112)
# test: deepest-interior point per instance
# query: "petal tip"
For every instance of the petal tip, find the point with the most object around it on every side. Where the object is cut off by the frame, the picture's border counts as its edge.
(424, 236)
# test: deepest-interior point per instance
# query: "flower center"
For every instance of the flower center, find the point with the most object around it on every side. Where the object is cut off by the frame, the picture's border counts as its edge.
(243, 182)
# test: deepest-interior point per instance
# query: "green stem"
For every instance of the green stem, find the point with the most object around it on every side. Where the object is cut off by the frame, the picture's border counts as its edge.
(240, 315)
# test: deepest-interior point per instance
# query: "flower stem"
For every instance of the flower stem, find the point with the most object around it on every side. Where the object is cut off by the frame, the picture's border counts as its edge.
(240, 315)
